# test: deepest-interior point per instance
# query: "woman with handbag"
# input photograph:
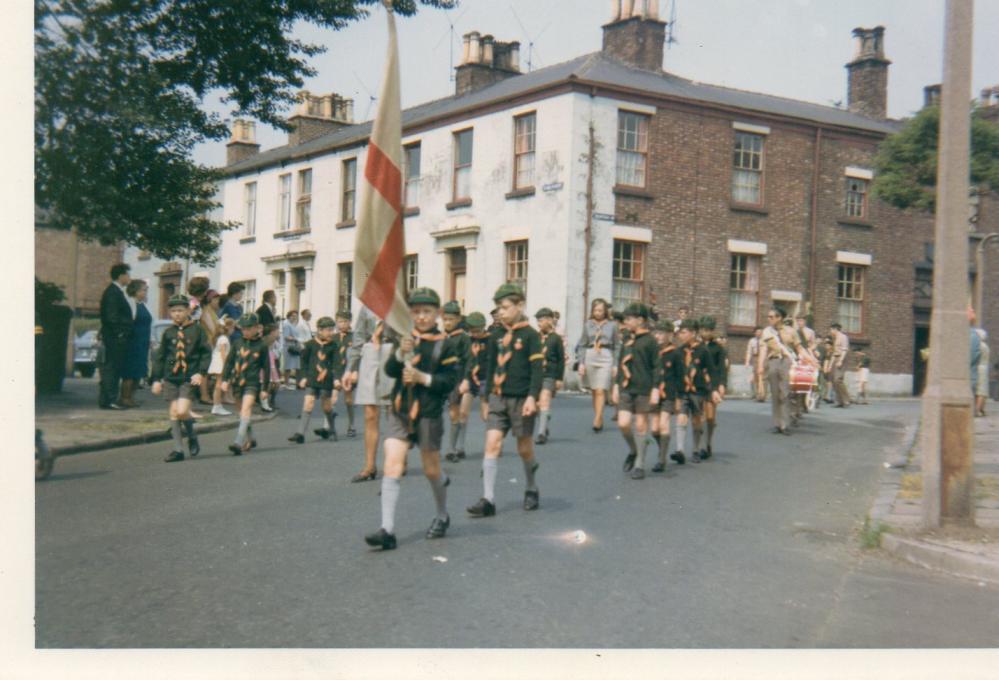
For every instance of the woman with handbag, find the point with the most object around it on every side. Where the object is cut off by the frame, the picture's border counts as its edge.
(292, 349)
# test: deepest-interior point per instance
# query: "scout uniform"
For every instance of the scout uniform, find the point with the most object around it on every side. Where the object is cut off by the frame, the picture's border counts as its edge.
(552, 369)
(183, 352)
(718, 372)
(668, 389)
(247, 370)
(780, 347)
(477, 349)
(513, 372)
(461, 341)
(637, 377)
(415, 416)
(864, 374)
(318, 370)
(690, 371)
(344, 340)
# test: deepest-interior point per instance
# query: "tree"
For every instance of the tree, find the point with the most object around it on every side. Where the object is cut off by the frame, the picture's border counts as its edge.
(119, 89)
(905, 168)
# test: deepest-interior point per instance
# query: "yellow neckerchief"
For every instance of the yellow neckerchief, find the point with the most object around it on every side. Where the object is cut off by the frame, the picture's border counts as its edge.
(663, 351)
(419, 338)
(689, 372)
(456, 332)
(244, 362)
(323, 370)
(628, 355)
(600, 326)
(342, 346)
(180, 362)
(476, 349)
(504, 357)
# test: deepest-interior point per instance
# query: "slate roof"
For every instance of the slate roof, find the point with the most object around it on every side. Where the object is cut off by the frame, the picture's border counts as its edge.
(596, 68)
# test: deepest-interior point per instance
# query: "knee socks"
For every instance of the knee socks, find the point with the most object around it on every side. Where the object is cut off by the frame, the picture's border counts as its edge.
(189, 430)
(698, 436)
(490, 466)
(629, 438)
(543, 423)
(330, 418)
(663, 447)
(303, 424)
(530, 467)
(178, 440)
(681, 436)
(461, 437)
(439, 487)
(711, 431)
(640, 459)
(453, 436)
(390, 497)
(244, 427)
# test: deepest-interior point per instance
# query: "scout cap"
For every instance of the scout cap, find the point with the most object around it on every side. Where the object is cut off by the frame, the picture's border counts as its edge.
(452, 308)
(689, 324)
(344, 314)
(476, 320)
(708, 323)
(637, 309)
(508, 290)
(664, 325)
(248, 320)
(179, 300)
(326, 322)
(424, 296)
(544, 312)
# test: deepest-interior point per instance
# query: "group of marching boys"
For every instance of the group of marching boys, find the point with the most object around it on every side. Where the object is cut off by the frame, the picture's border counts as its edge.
(661, 369)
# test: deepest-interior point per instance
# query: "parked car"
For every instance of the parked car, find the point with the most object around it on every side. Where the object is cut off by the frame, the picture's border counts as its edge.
(86, 353)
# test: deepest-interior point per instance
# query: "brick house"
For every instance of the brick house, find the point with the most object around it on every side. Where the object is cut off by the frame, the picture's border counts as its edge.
(606, 176)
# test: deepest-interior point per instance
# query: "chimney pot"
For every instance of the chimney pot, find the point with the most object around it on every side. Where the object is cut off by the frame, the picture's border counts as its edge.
(615, 10)
(465, 48)
(627, 9)
(637, 36)
(488, 61)
(867, 91)
(475, 48)
(243, 142)
(487, 50)
(514, 56)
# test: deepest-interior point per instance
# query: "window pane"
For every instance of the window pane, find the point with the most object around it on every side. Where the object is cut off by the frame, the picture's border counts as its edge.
(525, 170)
(413, 161)
(305, 182)
(746, 186)
(464, 141)
(742, 308)
(284, 215)
(250, 208)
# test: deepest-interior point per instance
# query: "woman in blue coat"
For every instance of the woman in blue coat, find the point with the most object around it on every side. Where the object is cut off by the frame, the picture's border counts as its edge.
(137, 355)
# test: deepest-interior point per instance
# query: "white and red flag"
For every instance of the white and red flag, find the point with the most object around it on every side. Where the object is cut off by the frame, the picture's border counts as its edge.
(380, 245)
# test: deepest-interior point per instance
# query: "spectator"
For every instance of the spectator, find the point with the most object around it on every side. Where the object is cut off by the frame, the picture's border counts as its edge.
(220, 351)
(304, 327)
(292, 348)
(265, 312)
(271, 334)
(197, 290)
(982, 383)
(210, 309)
(233, 306)
(136, 366)
(116, 330)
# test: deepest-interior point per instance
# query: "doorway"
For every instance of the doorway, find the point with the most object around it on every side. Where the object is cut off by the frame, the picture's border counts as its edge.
(920, 341)
(169, 286)
(457, 270)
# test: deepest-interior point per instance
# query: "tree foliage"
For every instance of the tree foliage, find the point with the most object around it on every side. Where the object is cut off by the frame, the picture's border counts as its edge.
(119, 93)
(906, 163)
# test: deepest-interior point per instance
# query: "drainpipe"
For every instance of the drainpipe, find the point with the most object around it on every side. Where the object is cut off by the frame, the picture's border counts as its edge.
(588, 233)
(814, 221)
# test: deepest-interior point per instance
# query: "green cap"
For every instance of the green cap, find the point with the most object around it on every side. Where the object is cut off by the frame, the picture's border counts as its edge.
(424, 296)
(476, 320)
(179, 300)
(689, 324)
(452, 308)
(543, 312)
(508, 290)
(637, 309)
(326, 322)
(344, 314)
(707, 323)
(664, 325)
(248, 320)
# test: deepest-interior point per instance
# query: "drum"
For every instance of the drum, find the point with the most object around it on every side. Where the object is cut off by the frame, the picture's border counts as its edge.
(804, 378)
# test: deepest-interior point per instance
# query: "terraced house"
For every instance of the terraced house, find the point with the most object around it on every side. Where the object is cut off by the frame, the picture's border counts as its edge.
(606, 176)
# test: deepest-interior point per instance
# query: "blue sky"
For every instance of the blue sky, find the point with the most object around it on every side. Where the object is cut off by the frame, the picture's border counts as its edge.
(791, 48)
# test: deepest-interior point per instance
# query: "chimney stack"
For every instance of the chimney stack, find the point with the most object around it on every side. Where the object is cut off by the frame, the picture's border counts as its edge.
(243, 142)
(867, 92)
(317, 115)
(931, 95)
(484, 61)
(635, 35)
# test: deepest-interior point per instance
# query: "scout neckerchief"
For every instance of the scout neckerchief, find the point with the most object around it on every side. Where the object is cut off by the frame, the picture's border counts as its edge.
(663, 352)
(544, 349)
(180, 356)
(505, 354)
(688, 372)
(475, 349)
(629, 354)
(321, 355)
(423, 342)
(342, 345)
(243, 363)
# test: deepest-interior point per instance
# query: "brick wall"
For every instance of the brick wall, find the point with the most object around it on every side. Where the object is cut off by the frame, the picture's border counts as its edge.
(54, 263)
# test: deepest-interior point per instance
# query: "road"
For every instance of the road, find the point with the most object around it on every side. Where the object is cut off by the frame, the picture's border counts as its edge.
(757, 548)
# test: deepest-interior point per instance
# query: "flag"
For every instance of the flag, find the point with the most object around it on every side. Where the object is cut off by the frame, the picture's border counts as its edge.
(379, 247)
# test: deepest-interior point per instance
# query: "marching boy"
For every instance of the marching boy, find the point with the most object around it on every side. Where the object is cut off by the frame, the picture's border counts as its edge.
(690, 371)
(247, 371)
(718, 370)
(343, 337)
(668, 390)
(513, 379)
(553, 368)
(459, 403)
(478, 336)
(319, 379)
(425, 368)
(636, 390)
(179, 365)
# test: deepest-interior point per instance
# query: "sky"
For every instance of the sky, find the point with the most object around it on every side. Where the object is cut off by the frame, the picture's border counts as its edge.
(790, 48)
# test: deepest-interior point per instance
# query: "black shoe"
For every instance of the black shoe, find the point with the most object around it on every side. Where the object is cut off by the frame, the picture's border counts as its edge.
(460, 455)
(629, 462)
(451, 457)
(542, 438)
(193, 446)
(236, 449)
(776, 430)
(659, 467)
(365, 476)
(598, 429)
(678, 457)
(786, 432)
(174, 457)
(322, 432)
(840, 405)
(706, 453)
(351, 432)
(439, 527)
(297, 438)
(253, 443)
(381, 539)
(482, 509)
(532, 499)
(638, 473)
(695, 457)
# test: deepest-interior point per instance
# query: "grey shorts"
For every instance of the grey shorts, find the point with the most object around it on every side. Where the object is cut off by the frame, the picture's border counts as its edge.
(454, 399)
(173, 391)
(690, 404)
(505, 416)
(428, 434)
(634, 403)
(549, 384)
(319, 392)
(239, 392)
(667, 406)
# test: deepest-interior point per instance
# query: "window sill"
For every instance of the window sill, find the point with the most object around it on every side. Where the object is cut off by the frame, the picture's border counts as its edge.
(411, 212)
(346, 224)
(748, 207)
(460, 203)
(861, 340)
(248, 239)
(740, 331)
(632, 192)
(291, 233)
(520, 193)
(853, 222)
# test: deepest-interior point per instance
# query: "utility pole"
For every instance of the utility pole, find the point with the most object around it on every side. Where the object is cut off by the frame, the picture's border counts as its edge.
(946, 436)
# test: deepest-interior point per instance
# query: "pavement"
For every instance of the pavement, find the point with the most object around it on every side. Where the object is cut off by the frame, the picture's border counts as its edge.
(760, 547)
(71, 422)
(896, 515)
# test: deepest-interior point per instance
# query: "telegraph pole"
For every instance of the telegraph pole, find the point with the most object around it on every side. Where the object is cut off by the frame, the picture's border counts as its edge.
(946, 439)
